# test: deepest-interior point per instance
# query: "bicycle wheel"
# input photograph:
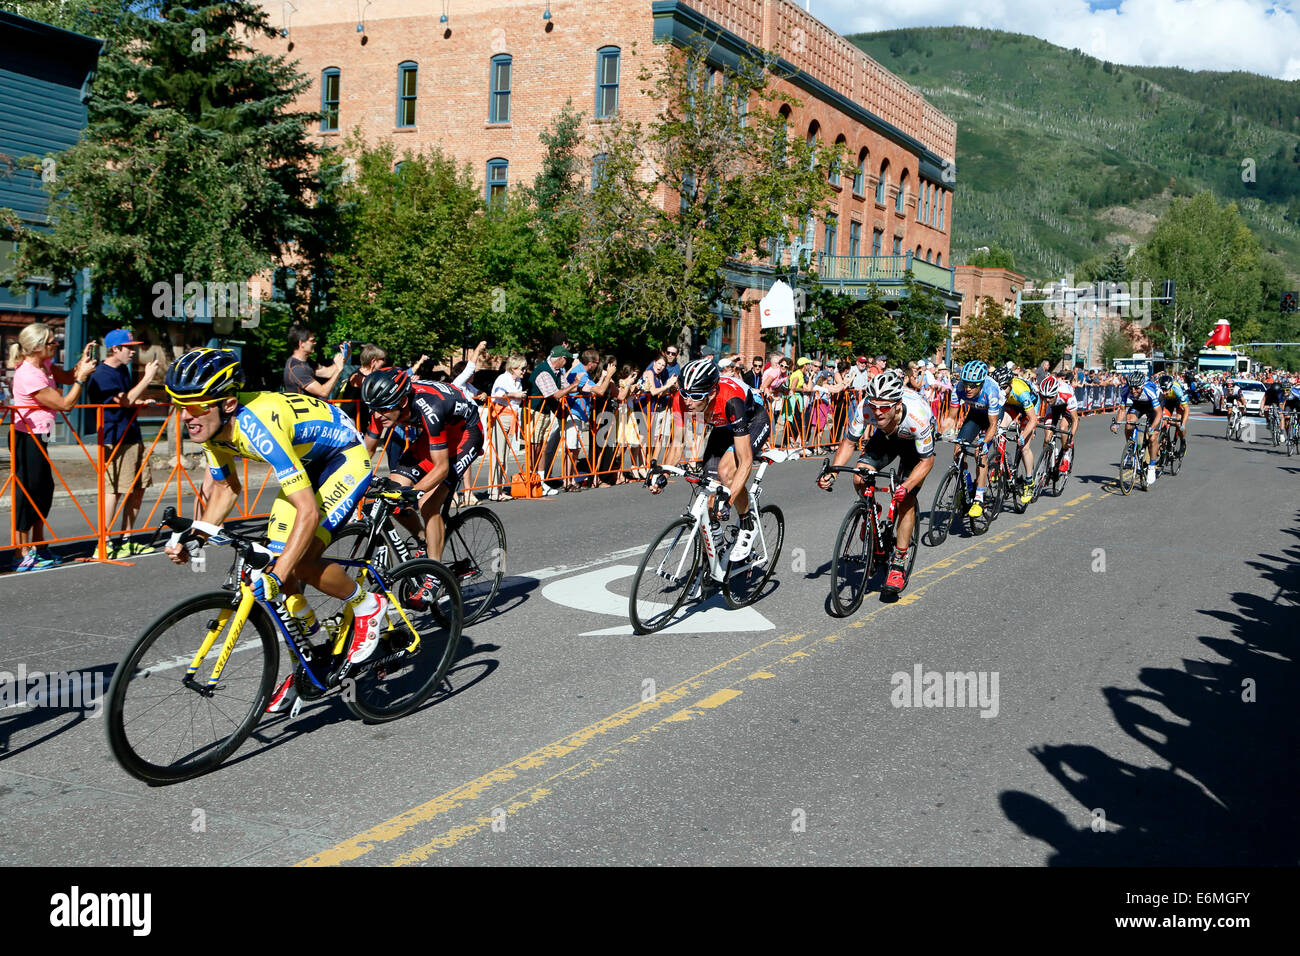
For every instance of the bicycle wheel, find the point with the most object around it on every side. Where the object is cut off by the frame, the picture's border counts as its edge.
(1127, 469)
(349, 544)
(399, 678)
(164, 727)
(1175, 459)
(475, 552)
(948, 498)
(851, 564)
(742, 584)
(664, 578)
(996, 494)
(1015, 483)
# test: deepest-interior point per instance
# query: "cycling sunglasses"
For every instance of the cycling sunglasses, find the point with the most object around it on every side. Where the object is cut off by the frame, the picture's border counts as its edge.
(696, 396)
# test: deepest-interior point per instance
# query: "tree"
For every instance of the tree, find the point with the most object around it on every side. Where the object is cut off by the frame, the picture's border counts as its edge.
(711, 178)
(408, 271)
(1214, 260)
(1114, 344)
(920, 317)
(191, 163)
(982, 336)
(1033, 337)
(993, 257)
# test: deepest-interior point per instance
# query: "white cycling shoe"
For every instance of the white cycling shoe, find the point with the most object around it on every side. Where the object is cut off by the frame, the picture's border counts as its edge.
(743, 546)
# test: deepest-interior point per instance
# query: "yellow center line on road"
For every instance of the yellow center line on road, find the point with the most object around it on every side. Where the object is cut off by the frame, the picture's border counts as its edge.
(512, 804)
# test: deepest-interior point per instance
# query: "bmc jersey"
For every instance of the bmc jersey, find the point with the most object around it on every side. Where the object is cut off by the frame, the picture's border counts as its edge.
(439, 408)
(989, 400)
(1020, 397)
(291, 433)
(735, 406)
(1149, 394)
(917, 423)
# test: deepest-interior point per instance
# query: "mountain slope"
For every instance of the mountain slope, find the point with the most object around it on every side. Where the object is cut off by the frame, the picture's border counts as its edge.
(1060, 156)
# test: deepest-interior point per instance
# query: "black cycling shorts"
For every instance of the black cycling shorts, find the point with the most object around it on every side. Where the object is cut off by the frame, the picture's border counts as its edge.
(881, 449)
(721, 440)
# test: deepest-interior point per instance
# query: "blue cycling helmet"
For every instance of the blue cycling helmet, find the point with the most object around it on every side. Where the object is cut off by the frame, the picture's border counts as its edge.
(975, 371)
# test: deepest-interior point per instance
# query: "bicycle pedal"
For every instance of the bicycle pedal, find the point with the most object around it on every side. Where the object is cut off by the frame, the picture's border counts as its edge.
(296, 709)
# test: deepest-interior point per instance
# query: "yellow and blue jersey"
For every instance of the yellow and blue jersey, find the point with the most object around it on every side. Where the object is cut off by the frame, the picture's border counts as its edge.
(1020, 397)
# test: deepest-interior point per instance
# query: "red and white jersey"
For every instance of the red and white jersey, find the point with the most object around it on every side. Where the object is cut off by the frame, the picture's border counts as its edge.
(1064, 396)
(917, 423)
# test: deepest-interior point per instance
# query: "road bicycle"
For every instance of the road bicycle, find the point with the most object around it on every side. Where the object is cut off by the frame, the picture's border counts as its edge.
(474, 548)
(1049, 475)
(865, 543)
(953, 498)
(1007, 483)
(1234, 422)
(1274, 425)
(1133, 463)
(692, 553)
(1293, 434)
(196, 682)
(1172, 447)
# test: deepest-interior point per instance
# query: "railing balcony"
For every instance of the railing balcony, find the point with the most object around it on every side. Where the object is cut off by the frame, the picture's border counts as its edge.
(882, 269)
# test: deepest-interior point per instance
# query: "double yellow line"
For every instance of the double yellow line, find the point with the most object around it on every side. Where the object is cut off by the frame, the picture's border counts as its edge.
(486, 787)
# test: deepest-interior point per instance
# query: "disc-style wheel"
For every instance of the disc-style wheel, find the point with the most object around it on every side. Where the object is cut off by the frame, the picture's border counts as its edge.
(165, 725)
(665, 576)
(744, 580)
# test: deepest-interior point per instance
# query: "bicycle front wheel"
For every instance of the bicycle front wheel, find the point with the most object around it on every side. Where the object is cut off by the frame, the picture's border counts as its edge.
(421, 637)
(475, 552)
(1174, 458)
(997, 490)
(665, 576)
(165, 725)
(1015, 485)
(851, 563)
(744, 582)
(943, 510)
(1127, 470)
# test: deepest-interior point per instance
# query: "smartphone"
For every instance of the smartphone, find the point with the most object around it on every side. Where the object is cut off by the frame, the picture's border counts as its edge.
(91, 350)
(346, 349)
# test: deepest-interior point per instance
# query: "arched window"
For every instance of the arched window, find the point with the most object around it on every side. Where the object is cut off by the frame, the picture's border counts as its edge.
(598, 164)
(929, 254)
(882, 184)
(406, 77)
(607, 68)
(832, 234)
(938, 259)
(900, 199)
(923, 192)
(917, 255)
(499, 89)
(840, 143)
(329, 98)
(814, 131)
(860, 174)
(498, 178)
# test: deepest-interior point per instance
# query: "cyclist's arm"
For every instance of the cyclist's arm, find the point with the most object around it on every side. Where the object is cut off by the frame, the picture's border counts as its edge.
(915, 479)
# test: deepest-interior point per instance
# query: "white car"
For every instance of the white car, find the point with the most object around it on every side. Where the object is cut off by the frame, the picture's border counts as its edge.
(1254, 395)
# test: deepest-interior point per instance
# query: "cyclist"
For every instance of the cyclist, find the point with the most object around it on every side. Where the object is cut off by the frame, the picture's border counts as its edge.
(983, 400)
(444, 434)
(1273, 398)
(321, 465)
(734, 410)
(1020, 405)
(1058, 394)
(1290, 405)
(1174, 400)
(904, 429)
(1142, 397)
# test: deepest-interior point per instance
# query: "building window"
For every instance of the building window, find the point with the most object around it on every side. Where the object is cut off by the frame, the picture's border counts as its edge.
(882, 184)
(687, 191)
(938, 259)
(831, 235)
(607, 82)
(855, 239)
(598, 164)
(900, 199)
(406, 75)
(860, 174)
(498, 176)
(929, 254)
(499, 95)
(835, 166)
(942, 196)
(329, 99)
(898, 245)
(877, 237)
(920, 202)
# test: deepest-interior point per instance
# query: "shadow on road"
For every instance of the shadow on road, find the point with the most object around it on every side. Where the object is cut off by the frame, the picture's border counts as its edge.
(38, 704)
(1223, 728)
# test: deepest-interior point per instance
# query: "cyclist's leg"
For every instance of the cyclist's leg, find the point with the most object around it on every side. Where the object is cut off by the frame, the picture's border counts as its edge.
(407, 473)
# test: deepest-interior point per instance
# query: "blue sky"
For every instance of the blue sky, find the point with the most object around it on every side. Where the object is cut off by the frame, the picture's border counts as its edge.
(1262, 36)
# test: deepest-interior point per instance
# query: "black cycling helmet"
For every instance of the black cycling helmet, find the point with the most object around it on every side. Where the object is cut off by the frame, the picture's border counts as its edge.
(1165, 381)
(385, 388)
(1137, 379)
(699, 378)
(204, 375)
(1002, 375)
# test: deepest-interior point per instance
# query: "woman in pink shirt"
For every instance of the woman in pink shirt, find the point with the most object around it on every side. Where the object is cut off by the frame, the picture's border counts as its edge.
(36, 399)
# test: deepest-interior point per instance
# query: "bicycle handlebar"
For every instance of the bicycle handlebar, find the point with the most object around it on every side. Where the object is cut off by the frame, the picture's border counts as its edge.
(183, 530)
(387, 488)
(871, 477)
(710, 485)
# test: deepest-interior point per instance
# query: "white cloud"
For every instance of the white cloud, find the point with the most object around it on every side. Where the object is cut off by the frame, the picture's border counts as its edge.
(1262, 36)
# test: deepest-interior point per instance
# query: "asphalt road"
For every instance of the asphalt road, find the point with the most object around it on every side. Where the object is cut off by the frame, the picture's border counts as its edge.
(1137, 656)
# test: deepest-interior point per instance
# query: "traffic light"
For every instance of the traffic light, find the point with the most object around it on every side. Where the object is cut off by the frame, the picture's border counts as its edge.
(1167, 295)
(1290, 301)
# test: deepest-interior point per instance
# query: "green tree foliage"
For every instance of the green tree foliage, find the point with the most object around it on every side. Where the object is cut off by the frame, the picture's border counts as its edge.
(734, 177)
(920, 319)
(409, 270)
(1215, 262)
(1114, 344)
(192, 162)
(994, 257)
(983, 336)
(1033, 337)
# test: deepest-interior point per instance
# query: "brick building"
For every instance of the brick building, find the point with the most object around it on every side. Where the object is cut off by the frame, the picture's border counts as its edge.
(482, 78)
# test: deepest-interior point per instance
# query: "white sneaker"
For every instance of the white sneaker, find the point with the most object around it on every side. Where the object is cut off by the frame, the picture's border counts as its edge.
(744, 544)
(550, 491)
(366, 632)
(1151, 474)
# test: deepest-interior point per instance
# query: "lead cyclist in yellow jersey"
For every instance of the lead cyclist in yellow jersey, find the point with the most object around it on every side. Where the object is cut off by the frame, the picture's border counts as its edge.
(319, 460)
(1020, 406)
